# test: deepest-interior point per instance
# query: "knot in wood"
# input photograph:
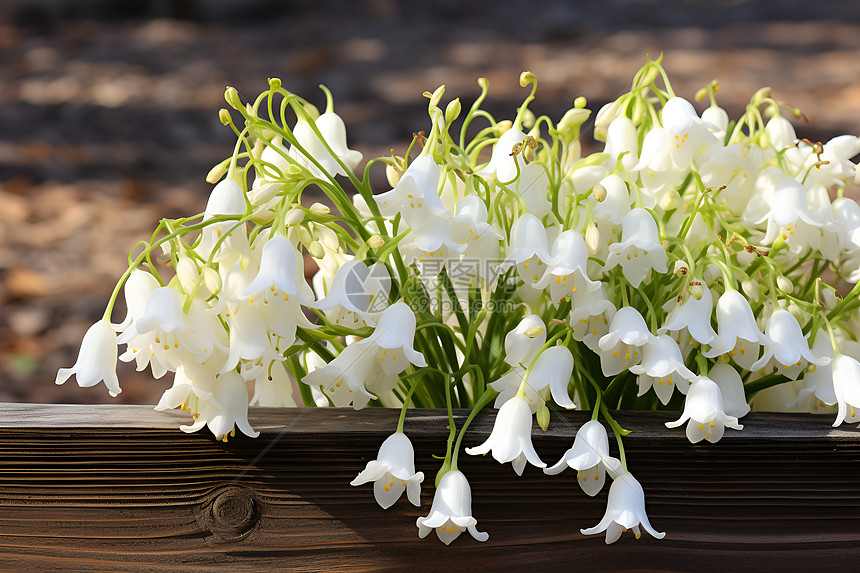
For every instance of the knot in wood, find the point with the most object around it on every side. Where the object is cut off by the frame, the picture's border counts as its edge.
(233, 511)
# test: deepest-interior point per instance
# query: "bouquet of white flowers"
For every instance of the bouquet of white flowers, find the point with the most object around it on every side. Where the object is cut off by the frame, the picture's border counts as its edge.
(691, 265)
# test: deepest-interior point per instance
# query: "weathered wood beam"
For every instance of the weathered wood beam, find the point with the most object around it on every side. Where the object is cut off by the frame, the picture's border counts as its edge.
(104, 488)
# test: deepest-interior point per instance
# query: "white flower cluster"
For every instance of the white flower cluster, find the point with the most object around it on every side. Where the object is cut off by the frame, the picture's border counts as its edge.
(693, 253)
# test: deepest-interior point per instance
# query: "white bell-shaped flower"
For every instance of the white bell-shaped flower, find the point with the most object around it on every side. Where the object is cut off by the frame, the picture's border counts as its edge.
(780, 132)
(226, 198)
(616, 205)
(625, 509)
(136, 291)
(349, 378)
(357, 295)
(273, 387)
(621, 347)
(621, 138)
(789, 353)
(415, 195)
(590, 457)
(704, 412)
(693, 316)
(639, 250)
(739, 335)
(481, 253)
(718, 120)
(511, 438)
(731, 388)
(524, 341)
(393, 472)
(281, 272)
(789, 217)
(550, 375)
(818, 380)
(590, 315)
(502, 165)
(193, 384)
(393, 336)
(529, 250)
(333, 131)
(451, 512)
(566, 274)
(846, 387)
(662, 368)
(96, 359)
(227, 410)
(683, 138)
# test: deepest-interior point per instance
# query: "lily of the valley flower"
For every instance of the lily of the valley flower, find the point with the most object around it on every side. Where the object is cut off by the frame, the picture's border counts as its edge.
(137, 289)
(524, 341)
(566, 273)
(621, 347)
(589, 456)
(393, 472)
(96, 359)
(739, 335)
(731, 389)
(333, 132)
(639, 250)
(529, 250)
(552, 370)
(693, 316)
(227, 410)
(663, 369)
(789, 352)
(625, 510)
(704, 412)
(590, 314)
(846, 387)
(451, 512)
(358, 294)
(281, 272)
(511, 438)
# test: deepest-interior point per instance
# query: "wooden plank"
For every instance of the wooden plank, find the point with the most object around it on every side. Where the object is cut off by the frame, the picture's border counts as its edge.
(105, 488)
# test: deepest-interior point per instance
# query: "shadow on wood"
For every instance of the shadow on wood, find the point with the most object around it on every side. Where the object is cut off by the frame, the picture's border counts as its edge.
(103, 488)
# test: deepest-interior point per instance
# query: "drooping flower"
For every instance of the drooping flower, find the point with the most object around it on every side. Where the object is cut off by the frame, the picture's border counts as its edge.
(704, 412)
(511, 438)
(731, 389)
(528, 249)
(739, 335)
(625, 510)
(846, 387)
(357, 295)
(393, 472)
(333, 131)
(281, 272)
(789, 353)
(693, 316)
(566, 273)
(273, 387)
(550, 375)
(589, 456)
(227, 410)
(137, 289)
(640, 250)
(96, 359)
(590, 315)
(621, 347)
(523, 342)
(451, 512)
(663, 369)
(818, 380)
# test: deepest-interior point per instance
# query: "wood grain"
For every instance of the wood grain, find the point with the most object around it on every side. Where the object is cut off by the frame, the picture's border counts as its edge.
(106, 488)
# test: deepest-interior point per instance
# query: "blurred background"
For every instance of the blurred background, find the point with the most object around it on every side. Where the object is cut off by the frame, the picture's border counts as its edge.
(109, 112)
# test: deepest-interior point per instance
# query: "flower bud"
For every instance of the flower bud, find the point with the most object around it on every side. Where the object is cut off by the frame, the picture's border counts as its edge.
(294, 216)
(543, 417)
(316, 250)
(711, 273)
(186, 272)
(751, 289)
(503, 126)
(784, 284)
(393, 172)
(670, 200)
(761, 94)
(580, 102)
(452, 111)
(320, 209)
(701, 94)
(231, 96)
(212, 280)
(304, 235)
(592, 237)
(274, 83)
(681, 268)
(375, 241)
(224, 116)
(217, 172)
(436, 96)
(599, 193)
